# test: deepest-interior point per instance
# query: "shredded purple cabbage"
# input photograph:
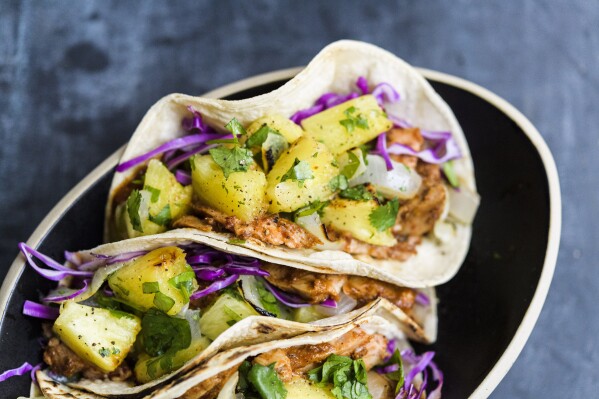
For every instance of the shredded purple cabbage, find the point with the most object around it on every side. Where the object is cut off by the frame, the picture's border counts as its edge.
(69, 295)
(21, 370)
(40, 311)
(422, 299)
(183, 177)
(420, 365)
(208, 273)
(194, 143)
(329, 303)
(287, 299)
(381, 149)
(34, 370)
(216, 286)
(59, 271)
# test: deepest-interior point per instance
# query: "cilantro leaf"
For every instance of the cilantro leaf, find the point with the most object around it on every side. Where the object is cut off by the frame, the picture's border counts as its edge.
(353, 163)
(235, 128)
(266, 382)
(358, 193)
(161, 333)
(352, 121)
(185, 283)
(338, 183)
(163, 217)
(397, 375)
(348, 124)
(260, 136)
(155, 193)
(231, 160)
(315, 206)
(299, 171)
(163, 302)
(348, 377)
(150, 287)
(384, 216)
(268, 300)
(133, 203)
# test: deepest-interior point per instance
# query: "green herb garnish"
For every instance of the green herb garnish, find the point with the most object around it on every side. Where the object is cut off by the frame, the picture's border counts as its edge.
(353, 121)
(133, 203)
(315, 206)
(383, 217)
(300, 171)
(161, 333)
(264, 381)
(163, 217)
(163, 302)
(353, 163)
(260, 136)
(358, 193)
(150, 287)
(231, 160)
(347, 376)
(339, 183)
(155, 193)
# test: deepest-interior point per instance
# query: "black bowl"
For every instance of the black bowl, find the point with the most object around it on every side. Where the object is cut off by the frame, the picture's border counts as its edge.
(486, 312)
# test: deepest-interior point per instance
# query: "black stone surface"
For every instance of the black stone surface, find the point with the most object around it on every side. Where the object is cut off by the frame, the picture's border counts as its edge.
(76, 77)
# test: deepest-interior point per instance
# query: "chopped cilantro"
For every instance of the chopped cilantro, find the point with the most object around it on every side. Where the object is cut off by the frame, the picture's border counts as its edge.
(338, 183)
(353, 121)
(300, 171)
(397, 375)
(315, 206)
(268, 300)
(150, 287)
(347, 376)
(133, 203)
(265, 381)
(155, 193)
(104, 352)
(236, 241)
(384, 216)
(185, 283)
(358, 193)
(161, 333)
(163, 217)
(231, 160)
(353, 163)
(260, 136)
(235, 127)
(163, 302)
(365, 150)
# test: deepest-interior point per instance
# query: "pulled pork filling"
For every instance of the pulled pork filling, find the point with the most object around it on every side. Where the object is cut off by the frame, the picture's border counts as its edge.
(415, 219)
(317, 287)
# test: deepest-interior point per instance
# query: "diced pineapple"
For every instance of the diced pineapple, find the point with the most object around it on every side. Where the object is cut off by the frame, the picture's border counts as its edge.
(241, 194)
(228, 309)
(300, 388)
(150, 368)
(285, 126)
(353, 217)
(348, 125)
(307, 314)
(150, 210)
(291, 194)
(100, 336)
(161, 279)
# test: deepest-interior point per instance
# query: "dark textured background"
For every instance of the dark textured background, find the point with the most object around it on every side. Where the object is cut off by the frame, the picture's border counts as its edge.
(76, 77)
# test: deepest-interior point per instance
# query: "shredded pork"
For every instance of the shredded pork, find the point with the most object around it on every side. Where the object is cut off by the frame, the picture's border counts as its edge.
(65, 362)
(298, 360)
(269, 229)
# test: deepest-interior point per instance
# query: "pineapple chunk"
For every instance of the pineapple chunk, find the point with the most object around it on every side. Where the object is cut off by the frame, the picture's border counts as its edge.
(228, 309)
(348, 125)
(160, 279)
(286, 127)
(100, 336)
(150, 368)
(300, 388)
(291, 194)
(353, 217)
(150, 210)
(241, 194)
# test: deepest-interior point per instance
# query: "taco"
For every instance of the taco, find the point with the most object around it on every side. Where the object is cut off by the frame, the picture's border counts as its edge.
(355, 163)
(367, 357)
(135, 314)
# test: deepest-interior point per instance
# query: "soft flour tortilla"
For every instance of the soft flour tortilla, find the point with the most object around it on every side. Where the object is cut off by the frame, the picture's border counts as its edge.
(421, 327)
(334, 69)
(373, 319)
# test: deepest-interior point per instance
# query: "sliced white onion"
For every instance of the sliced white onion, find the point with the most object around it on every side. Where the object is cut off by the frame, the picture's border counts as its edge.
(444, 231)
(193, 318)
(345, 304)
(401, 182)
(250, 291)
(313, 224)
(463, 205)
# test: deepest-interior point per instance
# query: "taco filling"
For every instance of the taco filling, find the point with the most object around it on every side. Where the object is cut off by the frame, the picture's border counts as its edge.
(140, 315)
(343, 174)
(356, 365)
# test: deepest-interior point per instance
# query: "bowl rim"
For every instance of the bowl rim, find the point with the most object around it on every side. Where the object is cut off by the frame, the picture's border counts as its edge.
(514, 348)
